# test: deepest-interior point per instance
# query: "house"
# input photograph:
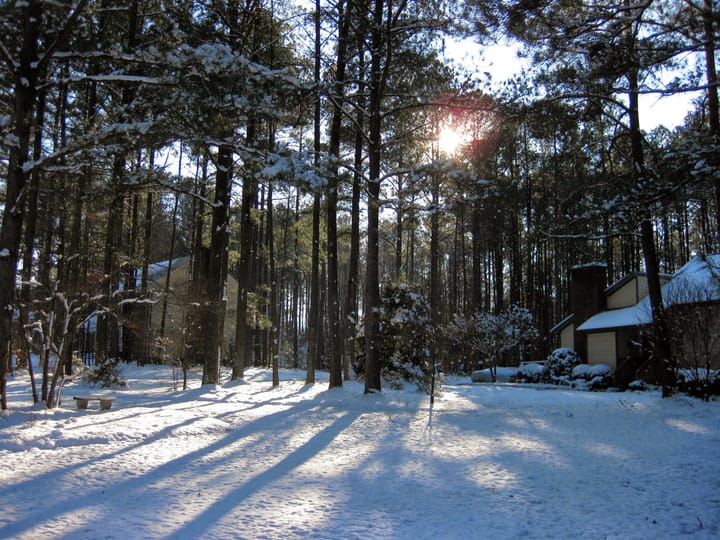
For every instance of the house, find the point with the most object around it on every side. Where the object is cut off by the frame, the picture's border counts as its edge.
(608, 324)
(169, 312)
(167, 336)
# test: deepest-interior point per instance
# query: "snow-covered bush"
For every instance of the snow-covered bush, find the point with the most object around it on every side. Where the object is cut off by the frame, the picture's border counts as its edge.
(638, 385)
(530, 372)
(456, 336)
(701, 384)
(487, 336)
(588, 372)
(560, 364)
(407, 337)
(503, 374)
(592, 377)
(563, 367)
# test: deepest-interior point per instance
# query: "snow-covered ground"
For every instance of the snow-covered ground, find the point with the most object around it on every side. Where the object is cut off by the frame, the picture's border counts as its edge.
(248, 461)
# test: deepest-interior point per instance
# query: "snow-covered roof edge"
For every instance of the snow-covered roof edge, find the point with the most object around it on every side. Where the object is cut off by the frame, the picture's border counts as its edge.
(562, 324)
(697, 281)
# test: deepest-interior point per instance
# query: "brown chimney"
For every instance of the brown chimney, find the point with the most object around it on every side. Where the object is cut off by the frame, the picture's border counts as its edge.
(587, 298)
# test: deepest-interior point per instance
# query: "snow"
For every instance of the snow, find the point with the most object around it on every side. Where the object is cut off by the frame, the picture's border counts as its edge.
(638, 314)
(696, 281)
(589, 265)
(532, 369)
(590, 371)
(244, 460)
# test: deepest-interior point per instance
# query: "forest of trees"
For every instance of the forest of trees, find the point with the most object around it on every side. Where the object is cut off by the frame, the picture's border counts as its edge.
(296, 147)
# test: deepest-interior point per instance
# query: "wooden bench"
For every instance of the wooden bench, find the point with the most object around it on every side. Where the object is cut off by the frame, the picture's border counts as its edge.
(105, 401)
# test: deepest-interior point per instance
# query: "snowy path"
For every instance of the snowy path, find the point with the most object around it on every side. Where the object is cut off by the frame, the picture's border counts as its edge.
(249, 461)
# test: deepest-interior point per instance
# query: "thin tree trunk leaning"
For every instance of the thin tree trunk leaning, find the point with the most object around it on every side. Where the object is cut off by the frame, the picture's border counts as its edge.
(168, 273)
(193, 347)
(435, 307)
(173, 235)
(399, 220)
(435, 253)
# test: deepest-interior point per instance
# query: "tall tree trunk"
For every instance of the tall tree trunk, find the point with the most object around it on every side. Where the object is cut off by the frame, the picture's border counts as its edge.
(243, 332)
(146, 319)
(709, 16)
(435, 278)
(274, 308)
(351, 298)
(168, 273)
(29, 241)
(106, 328)
(260, 357)
(25, 72)
(25, 85)
(477, 273)
(216, 266)
(662, 351)
(296, 284)
(399, 220)
(314, 322)
(372, 283)
(335, 341)
(108, 343)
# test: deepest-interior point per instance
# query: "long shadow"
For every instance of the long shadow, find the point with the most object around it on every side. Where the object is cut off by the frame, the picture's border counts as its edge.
(148, 409)
(395, 484)
(149, 406)
(533, 470)
(92, 496)
(443, 478)
(211, 515)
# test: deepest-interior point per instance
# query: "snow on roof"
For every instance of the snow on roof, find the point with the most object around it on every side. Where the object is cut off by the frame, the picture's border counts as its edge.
(590, 265)
(562, 324)
(697, 281)
(619, 318)
(159, 268)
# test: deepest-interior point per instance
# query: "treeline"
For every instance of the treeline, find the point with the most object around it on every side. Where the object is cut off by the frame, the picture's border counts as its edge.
(298, 155)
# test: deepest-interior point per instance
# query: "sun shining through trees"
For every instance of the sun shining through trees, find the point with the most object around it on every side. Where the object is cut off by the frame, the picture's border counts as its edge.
(450, 140)
(469, 126)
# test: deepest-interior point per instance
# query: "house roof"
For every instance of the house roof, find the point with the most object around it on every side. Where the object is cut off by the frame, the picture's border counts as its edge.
(636, 315)
(158, 269)
(697, 281)
(629, 277)
(562, 324)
